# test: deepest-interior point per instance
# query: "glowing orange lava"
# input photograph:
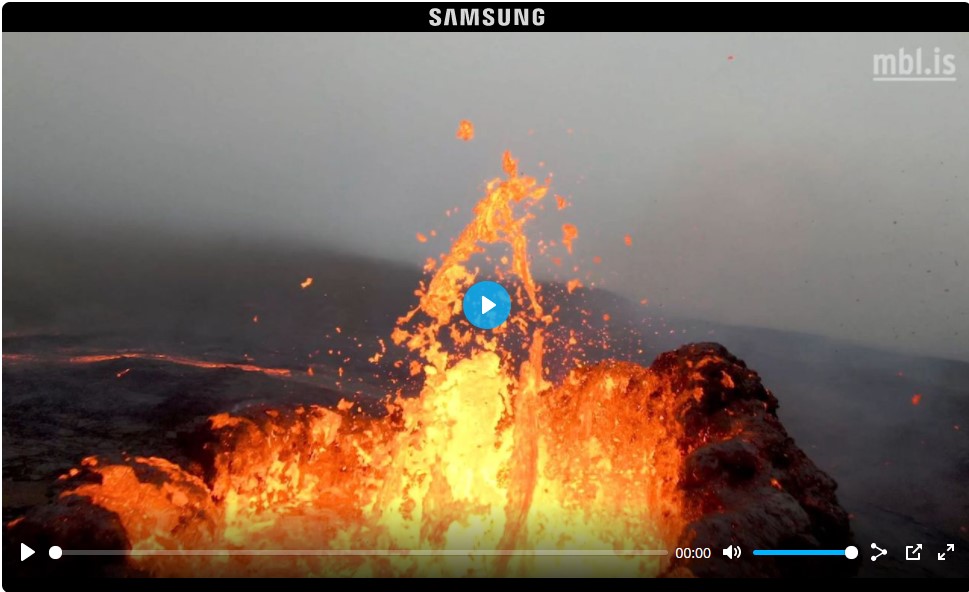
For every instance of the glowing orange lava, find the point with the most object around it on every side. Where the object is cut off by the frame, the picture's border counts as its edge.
(181, 360)
(490, 456)
(465, 130)
(569, 234)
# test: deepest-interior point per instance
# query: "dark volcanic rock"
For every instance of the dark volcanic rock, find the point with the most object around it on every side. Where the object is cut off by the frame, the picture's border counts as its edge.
(745, 481)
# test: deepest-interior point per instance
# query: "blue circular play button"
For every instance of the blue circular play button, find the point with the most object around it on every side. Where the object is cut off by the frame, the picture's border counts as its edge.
(487, 305)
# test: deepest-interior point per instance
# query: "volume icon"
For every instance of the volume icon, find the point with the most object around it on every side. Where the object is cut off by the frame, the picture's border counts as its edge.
(731, 552)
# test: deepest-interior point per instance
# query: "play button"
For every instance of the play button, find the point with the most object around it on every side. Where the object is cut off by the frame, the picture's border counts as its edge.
(487, 305)
(25, 552)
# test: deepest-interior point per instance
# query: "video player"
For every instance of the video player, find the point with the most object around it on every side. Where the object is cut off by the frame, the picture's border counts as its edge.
(468, 302)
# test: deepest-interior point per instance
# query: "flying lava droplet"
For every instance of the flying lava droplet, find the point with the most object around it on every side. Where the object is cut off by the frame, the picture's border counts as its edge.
(569, 234)
(306, 283)
(916, 398)
(628, 240)
(731, 58)
(465, 130)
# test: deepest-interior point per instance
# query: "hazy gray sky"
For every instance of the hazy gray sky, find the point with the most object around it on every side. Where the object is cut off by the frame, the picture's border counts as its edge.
(782, 188)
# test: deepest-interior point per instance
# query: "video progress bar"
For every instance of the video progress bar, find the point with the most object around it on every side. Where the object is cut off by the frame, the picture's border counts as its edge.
(367, 552)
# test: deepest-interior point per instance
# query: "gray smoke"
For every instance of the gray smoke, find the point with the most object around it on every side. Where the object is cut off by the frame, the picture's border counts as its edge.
(781, 188)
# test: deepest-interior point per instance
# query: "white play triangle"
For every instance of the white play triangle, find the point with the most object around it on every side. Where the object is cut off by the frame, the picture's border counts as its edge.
(486, 305)
(25, 552)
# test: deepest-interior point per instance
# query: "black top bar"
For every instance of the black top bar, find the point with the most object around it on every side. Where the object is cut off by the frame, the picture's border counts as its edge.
(442, 17)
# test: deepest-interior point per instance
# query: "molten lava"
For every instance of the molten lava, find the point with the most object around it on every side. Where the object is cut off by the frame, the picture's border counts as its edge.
(141, 355)
(465, 130)
(489, 457)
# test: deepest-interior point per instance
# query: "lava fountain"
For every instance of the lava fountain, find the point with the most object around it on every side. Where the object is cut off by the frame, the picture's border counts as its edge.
(490, 459)
(490, 471)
